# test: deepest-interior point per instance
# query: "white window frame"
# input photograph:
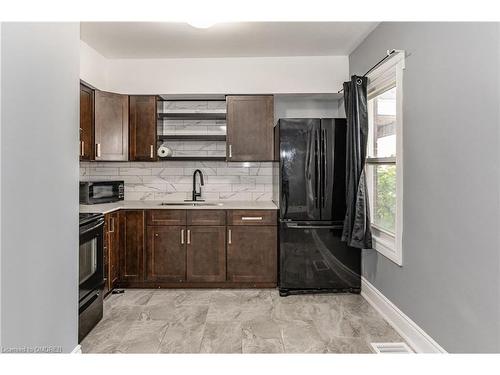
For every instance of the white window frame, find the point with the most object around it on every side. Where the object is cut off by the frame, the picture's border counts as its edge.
(390, 74)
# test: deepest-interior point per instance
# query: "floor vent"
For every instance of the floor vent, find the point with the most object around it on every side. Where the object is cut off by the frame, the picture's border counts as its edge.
(391, 348)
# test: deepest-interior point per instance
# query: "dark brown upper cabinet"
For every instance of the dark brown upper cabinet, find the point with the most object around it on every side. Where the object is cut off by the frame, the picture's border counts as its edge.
(111, 126)
(86, 123)
(250, 121)
(142, 128)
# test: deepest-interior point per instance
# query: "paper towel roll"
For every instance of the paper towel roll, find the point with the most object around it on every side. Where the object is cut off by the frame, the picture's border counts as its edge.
(164, 151)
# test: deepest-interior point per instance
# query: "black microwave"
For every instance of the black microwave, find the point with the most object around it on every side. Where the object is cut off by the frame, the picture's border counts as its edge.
(94, 192)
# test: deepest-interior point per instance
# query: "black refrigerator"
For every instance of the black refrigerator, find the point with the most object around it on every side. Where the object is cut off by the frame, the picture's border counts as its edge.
(311, 187)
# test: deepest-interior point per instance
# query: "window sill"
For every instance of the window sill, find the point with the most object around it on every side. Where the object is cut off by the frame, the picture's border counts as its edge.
(387, 247)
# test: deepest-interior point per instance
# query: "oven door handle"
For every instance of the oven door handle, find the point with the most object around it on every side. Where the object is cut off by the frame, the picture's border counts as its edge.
(87, 230)
(87, 302)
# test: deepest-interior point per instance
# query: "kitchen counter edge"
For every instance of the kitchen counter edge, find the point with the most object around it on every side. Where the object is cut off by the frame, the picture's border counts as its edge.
(106, 208)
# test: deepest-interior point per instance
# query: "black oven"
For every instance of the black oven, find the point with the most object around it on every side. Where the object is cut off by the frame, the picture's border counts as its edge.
(91, 272)
(93, 192)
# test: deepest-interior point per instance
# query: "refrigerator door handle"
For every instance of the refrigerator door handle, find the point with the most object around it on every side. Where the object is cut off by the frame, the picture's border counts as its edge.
(317, 167)
(295, 226)
(324, 174)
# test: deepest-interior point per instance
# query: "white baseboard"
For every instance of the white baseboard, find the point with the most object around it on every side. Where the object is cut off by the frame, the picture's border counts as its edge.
(415, 336)
(77, 350)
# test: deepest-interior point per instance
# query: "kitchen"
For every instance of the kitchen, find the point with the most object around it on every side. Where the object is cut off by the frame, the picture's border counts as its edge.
(214, 191)
(247, 198)
(201, 237)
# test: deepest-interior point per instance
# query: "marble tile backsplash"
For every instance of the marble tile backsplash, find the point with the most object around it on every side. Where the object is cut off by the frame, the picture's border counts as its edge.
(173, 180)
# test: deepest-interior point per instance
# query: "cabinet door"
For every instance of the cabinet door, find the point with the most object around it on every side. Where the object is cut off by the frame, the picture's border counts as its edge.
(206, 253)
(132, 245)
(166, 253)
(86, 123)
(111, 126)
(250, 128)
(252, 253)
(142, 127)
(105, 255)
(113, 248)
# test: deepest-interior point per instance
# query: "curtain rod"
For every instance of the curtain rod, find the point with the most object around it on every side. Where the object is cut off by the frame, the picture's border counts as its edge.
(389, 54)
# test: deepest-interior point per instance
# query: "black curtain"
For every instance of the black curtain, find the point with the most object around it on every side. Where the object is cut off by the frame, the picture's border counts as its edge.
(357, 232)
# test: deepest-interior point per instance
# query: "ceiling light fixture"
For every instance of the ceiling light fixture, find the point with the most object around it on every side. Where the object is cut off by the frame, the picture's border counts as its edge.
(201, 24)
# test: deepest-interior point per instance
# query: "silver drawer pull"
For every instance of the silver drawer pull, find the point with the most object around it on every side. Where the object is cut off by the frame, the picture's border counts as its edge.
(182, 236)
(151, 154)
(189, 237)
(250, 218)
(229, 236)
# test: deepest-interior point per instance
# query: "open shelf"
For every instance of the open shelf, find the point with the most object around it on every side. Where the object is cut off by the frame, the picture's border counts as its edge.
(192, 115)
(193, 158)
(192, 97)
(192, 137)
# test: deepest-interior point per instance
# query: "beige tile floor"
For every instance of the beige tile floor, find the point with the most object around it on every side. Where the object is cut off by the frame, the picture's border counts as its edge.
(236, 321)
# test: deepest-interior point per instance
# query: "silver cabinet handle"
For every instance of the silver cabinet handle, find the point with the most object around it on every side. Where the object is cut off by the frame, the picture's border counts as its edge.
(98, 149)
(189, 237)
(229, 236)
(156, 234)
(113, 225)
(230, 151)
(83, 148)
(250, 218)
(151, 152)
(182, 236)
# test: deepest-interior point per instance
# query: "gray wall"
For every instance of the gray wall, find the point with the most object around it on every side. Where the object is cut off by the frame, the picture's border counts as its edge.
(39, 184)
(0, 184)
(449, 283)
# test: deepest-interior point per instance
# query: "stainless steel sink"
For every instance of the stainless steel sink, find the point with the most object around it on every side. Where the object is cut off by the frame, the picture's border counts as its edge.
(190, 204)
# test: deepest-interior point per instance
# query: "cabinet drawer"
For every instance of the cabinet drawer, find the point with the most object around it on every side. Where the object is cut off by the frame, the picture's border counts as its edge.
(206, 217)
(251, 217)
(166, 217)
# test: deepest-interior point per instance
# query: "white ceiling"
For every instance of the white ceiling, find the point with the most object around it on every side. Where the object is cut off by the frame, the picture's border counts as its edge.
(244, 39)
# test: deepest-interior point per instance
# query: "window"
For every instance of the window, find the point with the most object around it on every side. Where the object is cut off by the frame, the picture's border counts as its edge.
(384, 161)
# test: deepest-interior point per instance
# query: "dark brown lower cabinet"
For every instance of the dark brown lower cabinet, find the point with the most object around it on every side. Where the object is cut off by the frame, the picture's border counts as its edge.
(132, 246)
(166, 254)
(113, 249)
(105, 254)
(252, 253)
(206, 253)
(179, 248)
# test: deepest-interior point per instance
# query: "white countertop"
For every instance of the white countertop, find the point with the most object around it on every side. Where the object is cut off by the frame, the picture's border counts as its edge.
(148, 205)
